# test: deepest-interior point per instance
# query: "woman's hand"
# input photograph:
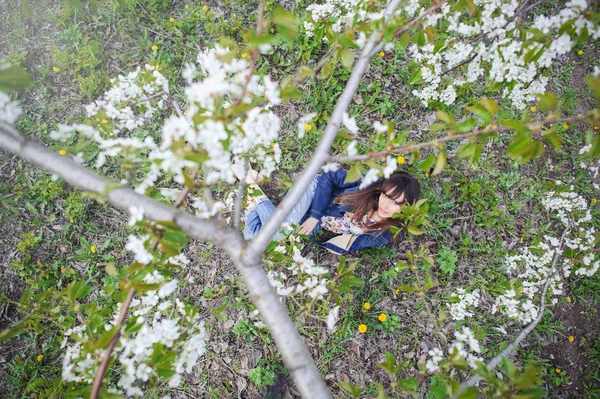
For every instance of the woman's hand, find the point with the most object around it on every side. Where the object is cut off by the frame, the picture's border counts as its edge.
(308, 226)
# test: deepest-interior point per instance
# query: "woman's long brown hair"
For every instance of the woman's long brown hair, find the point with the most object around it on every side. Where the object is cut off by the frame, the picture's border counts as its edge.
(365, 201)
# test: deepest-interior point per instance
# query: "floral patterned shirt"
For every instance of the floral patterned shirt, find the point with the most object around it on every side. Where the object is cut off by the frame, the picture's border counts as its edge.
(346, 225)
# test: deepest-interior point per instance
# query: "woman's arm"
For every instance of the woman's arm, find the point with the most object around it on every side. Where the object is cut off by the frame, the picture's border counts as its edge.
(326, 184)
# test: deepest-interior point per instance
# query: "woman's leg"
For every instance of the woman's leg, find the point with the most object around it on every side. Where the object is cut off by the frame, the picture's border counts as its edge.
(259, 214)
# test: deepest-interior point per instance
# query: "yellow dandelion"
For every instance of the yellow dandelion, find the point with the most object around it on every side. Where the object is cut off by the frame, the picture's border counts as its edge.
(400, 160)
(93, 249)
(55, 69)
(426, 174)
(579, 115)
(39, 358)
(594, 200)
(186, 112)
(381, 54)
(171, 19)
(307, 127)
(104, 121)
(569, 299)
(155, 48)
(204, 8)
(571, 338)
(244, 55)
(367, 306)
(63, 152)
(565, 126)
(580, 52)
(521, 239)
(382, 317)
(362, 328)
(397, 292)
(557, 370)
(533, 109)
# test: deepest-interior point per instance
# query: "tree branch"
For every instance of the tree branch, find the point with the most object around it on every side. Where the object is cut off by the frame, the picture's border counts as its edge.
(508, 351)
(535, 126)
(111, 346)
(261, 241)
(296, 356)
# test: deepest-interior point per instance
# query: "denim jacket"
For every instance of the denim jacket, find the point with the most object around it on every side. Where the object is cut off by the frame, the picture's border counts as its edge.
(330, 185)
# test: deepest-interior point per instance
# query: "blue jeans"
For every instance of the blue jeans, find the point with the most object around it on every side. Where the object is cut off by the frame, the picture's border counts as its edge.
(258, 215)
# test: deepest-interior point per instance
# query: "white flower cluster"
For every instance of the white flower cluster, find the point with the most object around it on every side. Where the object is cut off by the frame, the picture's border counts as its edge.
(206, 134)
(570, 207)
(534, 267)
(127, 101)
(183, 335)
(460, 310)
(9, 110)
(307, 277)
(340, 13)
(458, 350)
(391, 164)
(523, 312)
(504, 53)
(464, 347)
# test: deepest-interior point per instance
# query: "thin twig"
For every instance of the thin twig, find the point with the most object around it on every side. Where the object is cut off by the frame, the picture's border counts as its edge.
(187, 190)
(160, 93)
(113, 342)
(255, 53)
(535, 126)
(471, 381)
(237, 212)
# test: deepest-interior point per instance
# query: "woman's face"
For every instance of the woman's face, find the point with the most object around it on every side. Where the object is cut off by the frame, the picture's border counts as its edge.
(389, 206)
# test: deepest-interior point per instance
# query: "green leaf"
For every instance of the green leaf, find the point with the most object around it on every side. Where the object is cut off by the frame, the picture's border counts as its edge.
(466, 126)
(426, 164)
(555, 140)
(404, 40)
(490, 105)
(421, 39)
(105, 338)
(32, 209)
(414, 231)
(444, 117)
(430, 34)
(526, 379)
(437, 126)
(531, 393)
(409, 383)
(415, 77)
(286, 21)
(347, 57)
(352, 389)
(594, 85)
(406, 288)
(471, 152)
(510, 368)
(14, 78)
(440, 164)
(347, 283)
(547, 101)
(515, 125)
(469, 393)
(480, 111)
(353, 174)
(197, 157)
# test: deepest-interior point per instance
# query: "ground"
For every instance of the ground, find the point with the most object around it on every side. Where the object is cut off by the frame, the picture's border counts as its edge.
(479, 213)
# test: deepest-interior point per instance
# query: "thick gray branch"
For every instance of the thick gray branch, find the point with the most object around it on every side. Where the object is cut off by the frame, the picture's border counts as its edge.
(295, 354)
(261, 241)
(508, 351)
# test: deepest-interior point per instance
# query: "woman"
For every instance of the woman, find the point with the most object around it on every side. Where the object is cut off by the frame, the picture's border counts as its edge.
(359, 218)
